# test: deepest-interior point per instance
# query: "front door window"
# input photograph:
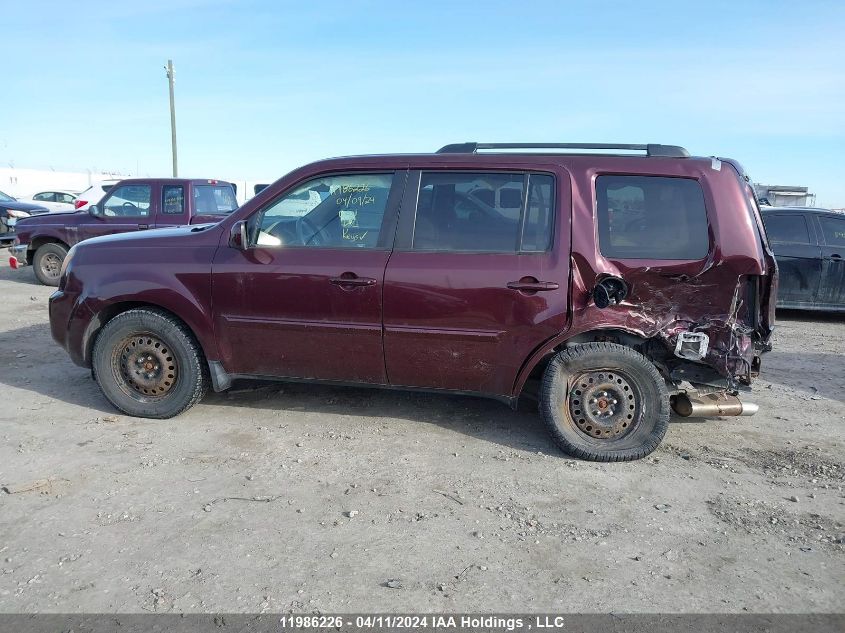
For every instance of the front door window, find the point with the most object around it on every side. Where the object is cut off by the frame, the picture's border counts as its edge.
(343, 211)
(305, 298)
(833, 231)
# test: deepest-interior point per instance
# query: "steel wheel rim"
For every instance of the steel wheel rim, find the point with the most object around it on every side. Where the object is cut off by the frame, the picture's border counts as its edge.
(145, 367)
(604, 404)
(51, 265)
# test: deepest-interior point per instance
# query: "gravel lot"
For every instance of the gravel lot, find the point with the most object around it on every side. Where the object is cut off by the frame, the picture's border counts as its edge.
(309, 498)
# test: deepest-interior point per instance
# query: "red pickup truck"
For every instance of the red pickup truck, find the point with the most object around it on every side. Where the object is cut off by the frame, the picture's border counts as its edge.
(135, 204)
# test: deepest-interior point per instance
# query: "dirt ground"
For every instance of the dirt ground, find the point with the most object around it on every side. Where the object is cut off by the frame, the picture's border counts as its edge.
(310, 498)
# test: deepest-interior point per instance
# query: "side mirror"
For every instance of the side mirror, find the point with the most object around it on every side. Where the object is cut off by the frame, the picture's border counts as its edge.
(95, 211)
(238, 236)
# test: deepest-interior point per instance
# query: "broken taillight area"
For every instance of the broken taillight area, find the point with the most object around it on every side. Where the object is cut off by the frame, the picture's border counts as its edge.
(692, 345)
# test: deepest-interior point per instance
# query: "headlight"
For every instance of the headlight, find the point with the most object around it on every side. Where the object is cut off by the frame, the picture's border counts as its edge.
(14, 213)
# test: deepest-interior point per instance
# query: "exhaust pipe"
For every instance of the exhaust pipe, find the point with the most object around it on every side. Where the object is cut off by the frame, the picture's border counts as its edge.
(711, 405)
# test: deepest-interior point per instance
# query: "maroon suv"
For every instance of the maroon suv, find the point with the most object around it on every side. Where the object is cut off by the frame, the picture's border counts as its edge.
(605, 285)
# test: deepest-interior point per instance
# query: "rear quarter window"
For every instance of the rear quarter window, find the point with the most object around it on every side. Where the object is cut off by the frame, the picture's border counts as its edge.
(214, 199)
(651, 217)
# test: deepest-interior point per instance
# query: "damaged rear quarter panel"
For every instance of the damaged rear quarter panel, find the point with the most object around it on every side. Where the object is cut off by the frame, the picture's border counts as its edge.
(667, 297)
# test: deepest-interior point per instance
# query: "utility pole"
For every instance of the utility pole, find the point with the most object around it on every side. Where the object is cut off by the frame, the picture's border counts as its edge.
(171, 79)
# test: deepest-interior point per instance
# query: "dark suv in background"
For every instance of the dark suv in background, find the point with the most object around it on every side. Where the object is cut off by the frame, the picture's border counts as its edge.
(601, 284)
(809, 245)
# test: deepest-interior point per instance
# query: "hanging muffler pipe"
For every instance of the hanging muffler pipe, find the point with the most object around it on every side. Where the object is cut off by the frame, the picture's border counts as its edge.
(710, 405)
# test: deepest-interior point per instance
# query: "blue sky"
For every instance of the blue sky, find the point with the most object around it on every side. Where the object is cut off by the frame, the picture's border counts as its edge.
(265, 86)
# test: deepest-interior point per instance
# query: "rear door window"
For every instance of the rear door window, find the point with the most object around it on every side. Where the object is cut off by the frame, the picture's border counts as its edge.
(173, 199)
(651, 217)
(786, 228)
(484, 212)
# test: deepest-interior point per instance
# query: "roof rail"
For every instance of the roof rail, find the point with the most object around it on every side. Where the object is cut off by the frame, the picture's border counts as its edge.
(651, 149)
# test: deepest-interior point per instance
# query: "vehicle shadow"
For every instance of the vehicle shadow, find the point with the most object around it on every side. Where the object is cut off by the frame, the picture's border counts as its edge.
(24, 276)
(31, 361)
(817, 374)
(476, 417)
(809, 315)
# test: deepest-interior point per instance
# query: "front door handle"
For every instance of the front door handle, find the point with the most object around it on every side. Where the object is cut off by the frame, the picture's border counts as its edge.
(351, 279)
(142, 227)
(524, 285)
(836, 257)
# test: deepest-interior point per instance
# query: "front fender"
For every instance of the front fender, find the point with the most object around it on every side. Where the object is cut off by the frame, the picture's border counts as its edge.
(38, 234)
(179, 281)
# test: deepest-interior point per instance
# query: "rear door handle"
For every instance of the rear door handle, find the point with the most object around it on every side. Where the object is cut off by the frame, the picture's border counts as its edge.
(350, 279)
(836, 257)
(533, 286)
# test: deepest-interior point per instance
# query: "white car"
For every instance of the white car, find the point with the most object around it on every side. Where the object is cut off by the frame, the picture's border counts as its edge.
(55, 201)
(94, 193)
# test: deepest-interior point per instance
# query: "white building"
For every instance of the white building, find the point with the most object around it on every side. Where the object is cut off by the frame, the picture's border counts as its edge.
(785, 196)
(21, 183)
(25, 182)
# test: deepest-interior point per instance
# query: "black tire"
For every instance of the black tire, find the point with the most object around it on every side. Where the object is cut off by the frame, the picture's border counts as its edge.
(47, 263)
(148, 364)
(604, 402)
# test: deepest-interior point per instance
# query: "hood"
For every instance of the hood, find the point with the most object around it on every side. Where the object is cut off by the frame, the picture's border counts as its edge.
(153, 238)
(29, 207)
(39, 218)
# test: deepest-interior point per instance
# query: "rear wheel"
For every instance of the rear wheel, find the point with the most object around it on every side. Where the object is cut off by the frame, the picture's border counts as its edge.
(604, 402)
(47, 263)
(148, 364)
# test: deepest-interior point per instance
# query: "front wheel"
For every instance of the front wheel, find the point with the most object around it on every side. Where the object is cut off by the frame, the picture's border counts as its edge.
(604, 402)
(47, 263)
(149, 365)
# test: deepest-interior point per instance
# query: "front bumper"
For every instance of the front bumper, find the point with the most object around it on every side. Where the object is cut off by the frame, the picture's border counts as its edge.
(60, 307)
(7, 237)
(18, 256)
(71, 325)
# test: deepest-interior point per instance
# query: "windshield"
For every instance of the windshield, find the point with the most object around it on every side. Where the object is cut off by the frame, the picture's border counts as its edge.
(214, 199)
(6, 198)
